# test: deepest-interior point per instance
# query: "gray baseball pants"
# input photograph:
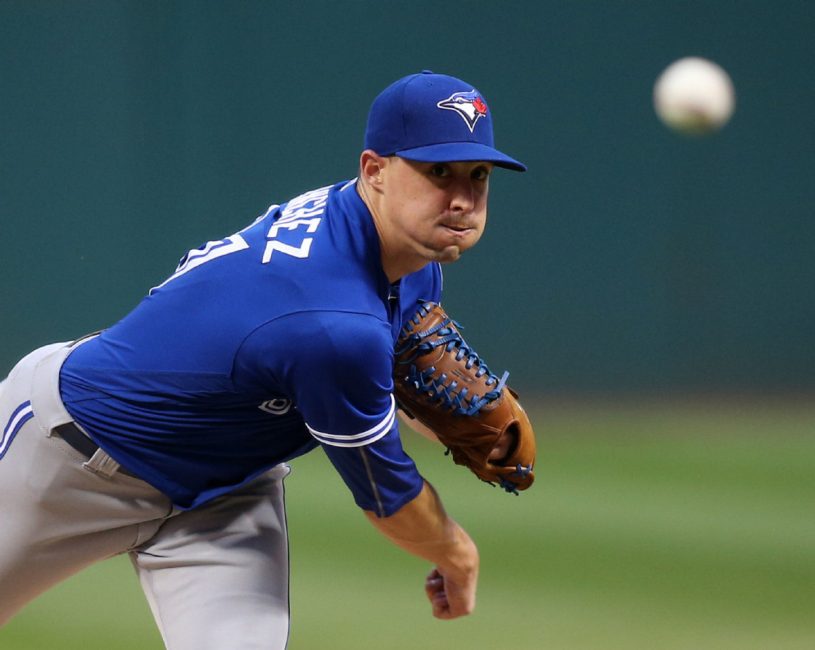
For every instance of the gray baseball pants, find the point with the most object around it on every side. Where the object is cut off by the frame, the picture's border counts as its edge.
(216, 577)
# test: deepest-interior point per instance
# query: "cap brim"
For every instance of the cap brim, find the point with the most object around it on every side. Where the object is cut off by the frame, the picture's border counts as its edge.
(461, 152)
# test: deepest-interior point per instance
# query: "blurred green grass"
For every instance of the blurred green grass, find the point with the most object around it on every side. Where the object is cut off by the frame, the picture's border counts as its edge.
(661, 525)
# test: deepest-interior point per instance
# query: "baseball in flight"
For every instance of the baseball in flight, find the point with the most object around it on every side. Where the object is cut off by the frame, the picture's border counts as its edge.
(694, 96)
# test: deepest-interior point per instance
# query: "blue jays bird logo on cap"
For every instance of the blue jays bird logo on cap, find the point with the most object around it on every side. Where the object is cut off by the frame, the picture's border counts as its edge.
(469, 105)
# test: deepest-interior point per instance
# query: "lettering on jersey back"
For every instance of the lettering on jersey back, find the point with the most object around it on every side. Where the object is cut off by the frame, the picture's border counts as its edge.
(303, 212)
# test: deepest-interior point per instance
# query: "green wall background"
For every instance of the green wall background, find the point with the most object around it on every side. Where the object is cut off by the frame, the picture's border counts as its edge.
(628, 258)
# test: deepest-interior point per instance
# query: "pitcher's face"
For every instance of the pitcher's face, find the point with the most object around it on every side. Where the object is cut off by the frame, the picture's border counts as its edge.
(437, 210)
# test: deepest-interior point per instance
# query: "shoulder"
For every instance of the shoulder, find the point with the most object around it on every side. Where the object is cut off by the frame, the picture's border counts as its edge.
(319, 353)
(323, 338)
(336, 367)
(343, 333)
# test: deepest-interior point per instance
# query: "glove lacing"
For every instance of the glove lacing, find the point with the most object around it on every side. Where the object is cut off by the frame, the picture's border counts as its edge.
(446, 334)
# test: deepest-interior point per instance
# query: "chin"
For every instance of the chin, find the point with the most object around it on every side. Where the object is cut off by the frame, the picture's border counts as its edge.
(448, 254)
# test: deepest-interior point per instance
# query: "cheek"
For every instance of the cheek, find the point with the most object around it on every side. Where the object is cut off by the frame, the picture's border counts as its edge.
(425, 204)
(481, 201)
(480, 225)
(415, 196)
(480, 232)
(481, 218)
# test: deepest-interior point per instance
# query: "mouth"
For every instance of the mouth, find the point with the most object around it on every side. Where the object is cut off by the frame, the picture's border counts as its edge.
(457, 229)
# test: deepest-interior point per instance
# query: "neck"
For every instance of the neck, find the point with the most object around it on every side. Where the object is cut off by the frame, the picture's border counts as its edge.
(394, 264)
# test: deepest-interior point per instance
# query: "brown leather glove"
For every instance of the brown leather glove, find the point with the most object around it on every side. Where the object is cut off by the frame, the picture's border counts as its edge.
(441, 382)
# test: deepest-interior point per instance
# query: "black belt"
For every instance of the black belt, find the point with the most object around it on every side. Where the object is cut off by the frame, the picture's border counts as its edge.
(74, 436)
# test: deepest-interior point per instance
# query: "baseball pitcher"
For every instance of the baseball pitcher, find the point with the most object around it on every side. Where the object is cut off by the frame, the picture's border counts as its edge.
(167, 435)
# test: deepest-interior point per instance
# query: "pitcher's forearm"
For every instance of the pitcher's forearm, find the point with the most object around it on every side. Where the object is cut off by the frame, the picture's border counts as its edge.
(423, 528)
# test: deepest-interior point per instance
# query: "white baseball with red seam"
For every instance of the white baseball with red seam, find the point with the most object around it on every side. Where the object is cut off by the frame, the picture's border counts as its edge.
(694, 95)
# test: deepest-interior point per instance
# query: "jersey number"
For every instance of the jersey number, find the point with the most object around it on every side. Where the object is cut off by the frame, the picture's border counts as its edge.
(206, 253)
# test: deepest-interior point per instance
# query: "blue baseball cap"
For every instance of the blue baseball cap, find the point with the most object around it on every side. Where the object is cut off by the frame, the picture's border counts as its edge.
(434, 118)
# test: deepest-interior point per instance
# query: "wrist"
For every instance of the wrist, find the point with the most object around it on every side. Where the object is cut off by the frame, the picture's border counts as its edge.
(461, 560)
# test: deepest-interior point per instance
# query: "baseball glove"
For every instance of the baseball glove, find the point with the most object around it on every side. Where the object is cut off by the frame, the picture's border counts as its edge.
(441, 382)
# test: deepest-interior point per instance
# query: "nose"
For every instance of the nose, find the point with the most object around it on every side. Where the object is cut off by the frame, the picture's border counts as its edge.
(462, 196)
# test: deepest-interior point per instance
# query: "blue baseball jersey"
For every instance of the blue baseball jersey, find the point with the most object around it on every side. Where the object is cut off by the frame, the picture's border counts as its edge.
(259, 348)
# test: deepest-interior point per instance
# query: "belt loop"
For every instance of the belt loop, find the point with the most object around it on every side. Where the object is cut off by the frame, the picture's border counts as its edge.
(102, 464)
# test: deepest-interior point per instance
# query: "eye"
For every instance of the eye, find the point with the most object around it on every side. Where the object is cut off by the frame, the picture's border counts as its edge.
(440, 170)
(480, 174)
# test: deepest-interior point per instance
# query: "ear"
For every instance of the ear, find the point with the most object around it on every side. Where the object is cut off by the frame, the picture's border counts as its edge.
(371, 166)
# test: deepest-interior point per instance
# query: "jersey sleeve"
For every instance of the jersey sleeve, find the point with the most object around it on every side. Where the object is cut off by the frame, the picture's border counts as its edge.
(337, 369)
